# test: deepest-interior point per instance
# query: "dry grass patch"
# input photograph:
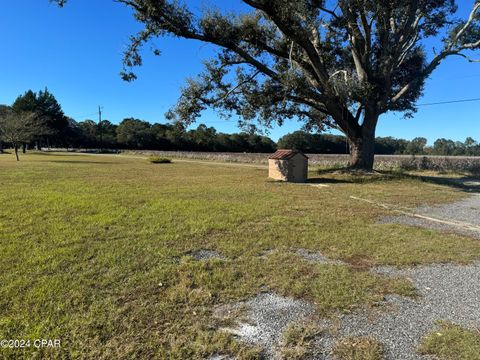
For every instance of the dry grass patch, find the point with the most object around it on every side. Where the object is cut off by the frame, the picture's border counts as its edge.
(330, 287)
(296, 342)
(358, 348)
(452, 342)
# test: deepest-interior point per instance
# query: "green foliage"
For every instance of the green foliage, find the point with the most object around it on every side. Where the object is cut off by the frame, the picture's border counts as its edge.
(159, 160)
(4, 110)
(327, 66)
(336, 144)
(134, 133)
(93, 135)
(452, 342)
(139, 134)
(48, 110)
(416, 146)
(314, 143)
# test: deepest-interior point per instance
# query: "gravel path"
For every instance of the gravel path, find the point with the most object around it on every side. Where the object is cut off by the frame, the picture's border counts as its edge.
(268, 316)
(448, 292)
(464, 211)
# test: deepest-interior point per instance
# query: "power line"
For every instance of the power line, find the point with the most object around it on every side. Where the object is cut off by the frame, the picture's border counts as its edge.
(465, 77)
(81, 116)
(222, 122)
(450, 102)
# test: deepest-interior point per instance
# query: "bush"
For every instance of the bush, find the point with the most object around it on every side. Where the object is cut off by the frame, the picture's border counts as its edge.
(159, 160)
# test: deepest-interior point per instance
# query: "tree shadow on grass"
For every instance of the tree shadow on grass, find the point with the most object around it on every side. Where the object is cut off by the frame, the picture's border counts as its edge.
(352, 176)
(51, 153)
(327, 181)
(79, 161)
(467, 183)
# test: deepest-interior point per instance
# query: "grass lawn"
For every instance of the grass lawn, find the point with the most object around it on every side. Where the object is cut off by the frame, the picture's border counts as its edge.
(452, 342)
(95, 250)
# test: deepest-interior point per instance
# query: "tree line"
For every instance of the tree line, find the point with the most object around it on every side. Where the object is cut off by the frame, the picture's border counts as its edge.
(336, 144)
(36, 120)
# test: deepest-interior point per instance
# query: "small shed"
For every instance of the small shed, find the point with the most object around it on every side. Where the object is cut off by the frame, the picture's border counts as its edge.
(288, 165)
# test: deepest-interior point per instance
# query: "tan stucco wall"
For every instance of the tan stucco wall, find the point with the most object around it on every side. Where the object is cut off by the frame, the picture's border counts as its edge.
(295, 169)
(277, 169)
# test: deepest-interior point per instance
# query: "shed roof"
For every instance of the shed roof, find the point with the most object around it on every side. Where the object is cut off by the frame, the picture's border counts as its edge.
(283, 154)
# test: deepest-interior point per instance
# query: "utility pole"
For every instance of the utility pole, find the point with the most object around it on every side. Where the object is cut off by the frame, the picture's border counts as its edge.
(100, 126)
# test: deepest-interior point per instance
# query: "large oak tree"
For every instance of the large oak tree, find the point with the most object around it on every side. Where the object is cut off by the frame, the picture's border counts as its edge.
(328, 63)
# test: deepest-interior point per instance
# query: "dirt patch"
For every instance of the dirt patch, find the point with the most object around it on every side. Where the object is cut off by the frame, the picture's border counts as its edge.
(359, 262)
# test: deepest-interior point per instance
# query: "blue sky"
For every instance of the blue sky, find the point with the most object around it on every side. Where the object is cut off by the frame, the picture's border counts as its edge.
(76, 52)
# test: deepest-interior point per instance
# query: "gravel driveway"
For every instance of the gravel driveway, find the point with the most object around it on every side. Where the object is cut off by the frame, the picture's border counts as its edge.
(448, 292)
(464, 213)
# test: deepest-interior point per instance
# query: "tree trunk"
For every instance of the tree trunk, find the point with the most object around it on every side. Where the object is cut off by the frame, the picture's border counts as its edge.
(362, 146)
(16, 152)
(24, 148)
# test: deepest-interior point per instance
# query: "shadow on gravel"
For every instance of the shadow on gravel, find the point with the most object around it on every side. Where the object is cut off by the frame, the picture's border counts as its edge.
(467, 183)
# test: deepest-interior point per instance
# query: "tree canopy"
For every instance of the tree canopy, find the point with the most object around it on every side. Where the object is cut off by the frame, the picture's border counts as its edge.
(48, 111)
(328, 63)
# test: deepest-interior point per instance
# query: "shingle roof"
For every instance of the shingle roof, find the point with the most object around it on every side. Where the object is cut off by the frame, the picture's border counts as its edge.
(283, 154)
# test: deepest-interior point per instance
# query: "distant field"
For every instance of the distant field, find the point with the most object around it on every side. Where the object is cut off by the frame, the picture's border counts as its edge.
(388, 162)
(97, 250)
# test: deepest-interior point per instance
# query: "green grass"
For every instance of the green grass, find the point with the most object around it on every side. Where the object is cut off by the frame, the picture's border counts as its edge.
(94, 250)
(452, 342)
